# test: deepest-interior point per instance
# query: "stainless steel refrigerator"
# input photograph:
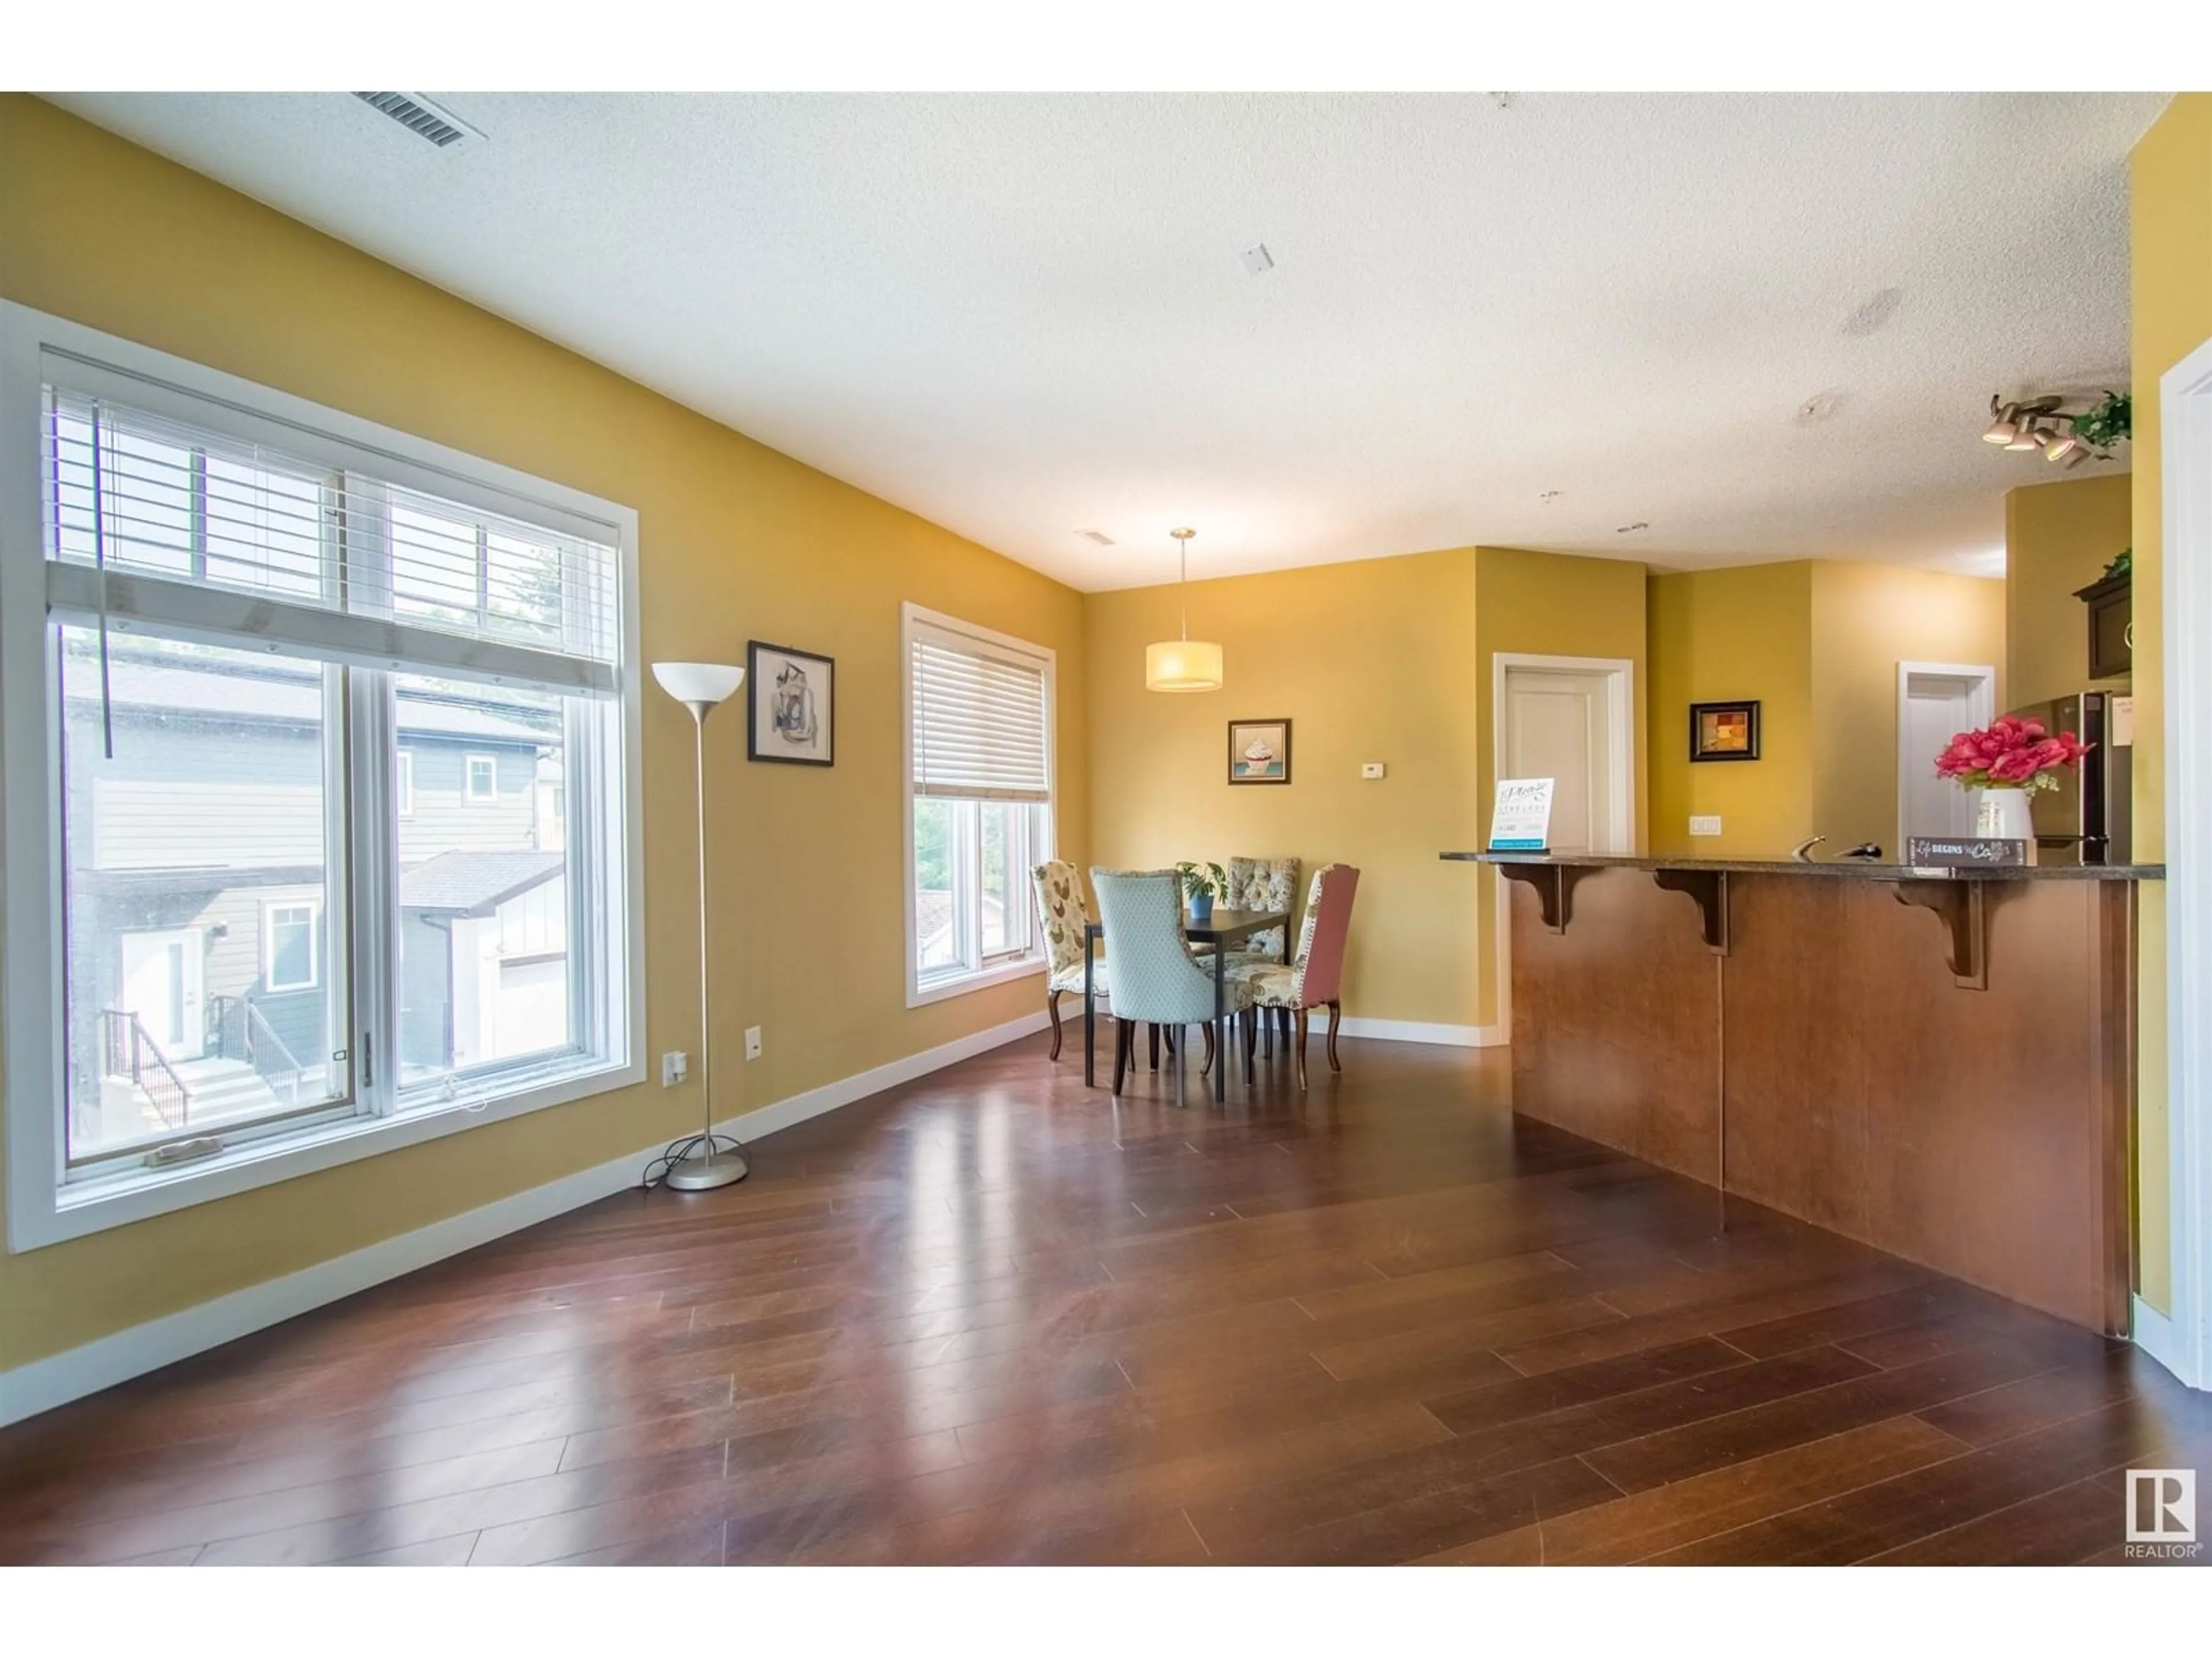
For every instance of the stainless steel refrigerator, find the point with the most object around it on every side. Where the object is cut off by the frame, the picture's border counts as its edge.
(2088, 818)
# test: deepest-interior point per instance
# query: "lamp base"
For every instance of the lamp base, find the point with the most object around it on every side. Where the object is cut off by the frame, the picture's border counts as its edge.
(704, 1163)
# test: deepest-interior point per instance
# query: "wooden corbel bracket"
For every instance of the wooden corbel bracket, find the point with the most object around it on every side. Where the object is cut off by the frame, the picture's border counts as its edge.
(1554, 886)
(1963, 908)
(1710, 888)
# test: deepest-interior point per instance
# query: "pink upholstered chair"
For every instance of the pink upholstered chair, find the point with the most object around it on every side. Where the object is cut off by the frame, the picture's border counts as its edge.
(1314, 977)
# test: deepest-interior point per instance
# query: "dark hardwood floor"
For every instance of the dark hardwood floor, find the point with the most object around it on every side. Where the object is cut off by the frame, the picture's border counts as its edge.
(997, 1317)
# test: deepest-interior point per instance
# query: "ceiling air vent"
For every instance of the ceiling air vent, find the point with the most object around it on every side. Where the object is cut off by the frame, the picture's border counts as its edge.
(422, 117)
(1098, 536)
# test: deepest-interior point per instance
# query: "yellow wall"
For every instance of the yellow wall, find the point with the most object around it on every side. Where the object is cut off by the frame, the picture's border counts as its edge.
(1817, 642)
(1554, 605)
(1867, 619)
(1385, 659)
(1744, 632)
(738, 541)
(2170, 220)
(1370, 661)
(2058, 539)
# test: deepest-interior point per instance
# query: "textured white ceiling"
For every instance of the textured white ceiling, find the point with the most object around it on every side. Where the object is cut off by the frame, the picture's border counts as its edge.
(1026, 316)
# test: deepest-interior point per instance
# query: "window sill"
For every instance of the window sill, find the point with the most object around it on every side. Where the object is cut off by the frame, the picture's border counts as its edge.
(95, 1205)
(942, 990)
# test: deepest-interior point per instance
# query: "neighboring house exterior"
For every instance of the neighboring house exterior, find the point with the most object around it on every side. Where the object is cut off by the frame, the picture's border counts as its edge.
(196, 857)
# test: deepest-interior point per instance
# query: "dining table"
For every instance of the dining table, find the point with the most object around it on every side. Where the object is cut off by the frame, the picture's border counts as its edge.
(1222, 929)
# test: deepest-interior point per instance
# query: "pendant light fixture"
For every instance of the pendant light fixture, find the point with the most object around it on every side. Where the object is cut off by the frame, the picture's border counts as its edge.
(1182, 664)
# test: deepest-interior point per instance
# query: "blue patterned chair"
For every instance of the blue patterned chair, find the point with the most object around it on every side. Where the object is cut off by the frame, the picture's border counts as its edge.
(1156, 978)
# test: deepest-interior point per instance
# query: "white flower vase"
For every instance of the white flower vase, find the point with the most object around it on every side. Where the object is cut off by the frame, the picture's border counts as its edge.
(2003, 815)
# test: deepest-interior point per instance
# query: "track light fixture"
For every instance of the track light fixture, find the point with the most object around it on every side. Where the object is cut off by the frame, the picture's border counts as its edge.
(2032, 423)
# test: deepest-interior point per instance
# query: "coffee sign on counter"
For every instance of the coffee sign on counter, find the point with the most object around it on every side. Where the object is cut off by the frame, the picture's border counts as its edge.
(1963, 852)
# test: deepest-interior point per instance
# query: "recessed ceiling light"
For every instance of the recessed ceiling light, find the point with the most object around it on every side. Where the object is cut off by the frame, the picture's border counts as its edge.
(1098, 536)
(1258, 260)
(1630, 529)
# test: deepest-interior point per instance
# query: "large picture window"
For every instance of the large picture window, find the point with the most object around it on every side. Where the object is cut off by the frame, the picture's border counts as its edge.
(979, 714)
(334, 727)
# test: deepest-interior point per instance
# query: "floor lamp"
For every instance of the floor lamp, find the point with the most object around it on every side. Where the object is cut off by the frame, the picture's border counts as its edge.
(706, 1159)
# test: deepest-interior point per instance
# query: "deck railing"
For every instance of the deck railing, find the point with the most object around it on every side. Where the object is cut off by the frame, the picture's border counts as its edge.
(127, 1050)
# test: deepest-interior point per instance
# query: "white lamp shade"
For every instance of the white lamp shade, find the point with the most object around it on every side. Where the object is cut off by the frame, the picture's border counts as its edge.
(698, 682)
(1182, 666)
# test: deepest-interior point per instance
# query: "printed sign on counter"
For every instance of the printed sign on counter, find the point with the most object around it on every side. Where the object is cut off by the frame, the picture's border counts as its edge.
(1522, 820)
(1963, 853)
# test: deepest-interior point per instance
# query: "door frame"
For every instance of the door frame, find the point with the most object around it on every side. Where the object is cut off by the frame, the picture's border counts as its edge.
(1982, 708)
(1619, 674)
(2180, 1339)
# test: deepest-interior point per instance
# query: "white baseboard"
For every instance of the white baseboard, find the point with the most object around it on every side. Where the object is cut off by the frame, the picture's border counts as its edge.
(43, 1384)
(1412, 1030)
(2158, 1336)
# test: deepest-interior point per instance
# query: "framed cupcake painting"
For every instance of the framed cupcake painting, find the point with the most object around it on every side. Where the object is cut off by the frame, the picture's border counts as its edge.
(1259, 751)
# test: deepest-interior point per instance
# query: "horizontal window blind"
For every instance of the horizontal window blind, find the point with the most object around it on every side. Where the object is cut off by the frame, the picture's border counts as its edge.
(204, 530)
(980, 714)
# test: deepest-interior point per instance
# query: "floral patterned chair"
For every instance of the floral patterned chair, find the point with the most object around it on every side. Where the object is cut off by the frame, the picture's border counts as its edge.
(1315, 978)
(1264, 885)
(1065, 915)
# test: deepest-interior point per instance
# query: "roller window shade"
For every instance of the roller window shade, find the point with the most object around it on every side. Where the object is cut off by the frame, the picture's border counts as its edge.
(982, 715)
(223, 536)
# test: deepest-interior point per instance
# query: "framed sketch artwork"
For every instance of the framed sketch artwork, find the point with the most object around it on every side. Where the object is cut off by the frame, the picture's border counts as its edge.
(791, 714)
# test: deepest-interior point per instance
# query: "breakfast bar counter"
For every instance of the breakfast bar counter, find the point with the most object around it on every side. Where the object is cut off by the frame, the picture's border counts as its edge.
(1939, 1063)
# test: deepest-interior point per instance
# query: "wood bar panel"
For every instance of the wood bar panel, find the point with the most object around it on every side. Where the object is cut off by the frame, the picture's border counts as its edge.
(1867, 1085)
(1629, 978)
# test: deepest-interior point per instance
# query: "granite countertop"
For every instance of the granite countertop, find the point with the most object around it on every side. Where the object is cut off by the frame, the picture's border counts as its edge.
(1843, 867)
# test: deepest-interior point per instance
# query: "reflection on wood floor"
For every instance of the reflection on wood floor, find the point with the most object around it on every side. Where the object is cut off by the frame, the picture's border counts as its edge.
(995, 1316)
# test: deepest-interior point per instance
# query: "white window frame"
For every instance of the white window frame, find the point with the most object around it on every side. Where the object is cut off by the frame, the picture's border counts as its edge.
(269, 910)
(490, 796)
(1000, 969)
(44, 1207)
(406, 785)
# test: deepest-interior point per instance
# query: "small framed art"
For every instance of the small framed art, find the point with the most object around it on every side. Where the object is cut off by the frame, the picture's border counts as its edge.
(791, 705)
(1724, 731)
(1259, 751)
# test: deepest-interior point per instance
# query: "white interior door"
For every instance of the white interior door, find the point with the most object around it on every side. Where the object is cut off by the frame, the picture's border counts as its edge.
(1935, 703)
(161, 975)
(1558, 724)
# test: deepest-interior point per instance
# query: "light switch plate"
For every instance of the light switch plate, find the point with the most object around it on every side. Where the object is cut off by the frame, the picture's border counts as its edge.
(752, 1043)
(1371, 769)
(1705, 826)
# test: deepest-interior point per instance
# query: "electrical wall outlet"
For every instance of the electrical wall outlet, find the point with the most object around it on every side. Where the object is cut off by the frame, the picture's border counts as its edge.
(1705, 826)
(675, 1065)
(752, 1043)
(1371, 769)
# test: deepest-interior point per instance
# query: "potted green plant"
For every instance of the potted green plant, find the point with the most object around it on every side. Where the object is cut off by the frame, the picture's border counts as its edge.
(1201, 885)
(2104, 424)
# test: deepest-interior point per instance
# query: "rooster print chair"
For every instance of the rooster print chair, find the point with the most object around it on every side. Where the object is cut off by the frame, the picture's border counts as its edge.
(1315, 978)
(1064, 916)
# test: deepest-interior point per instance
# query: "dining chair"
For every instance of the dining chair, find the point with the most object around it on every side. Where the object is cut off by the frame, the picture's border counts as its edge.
(1156, 978)
(1315, 978)
(1066, 919)
(1264, 885)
